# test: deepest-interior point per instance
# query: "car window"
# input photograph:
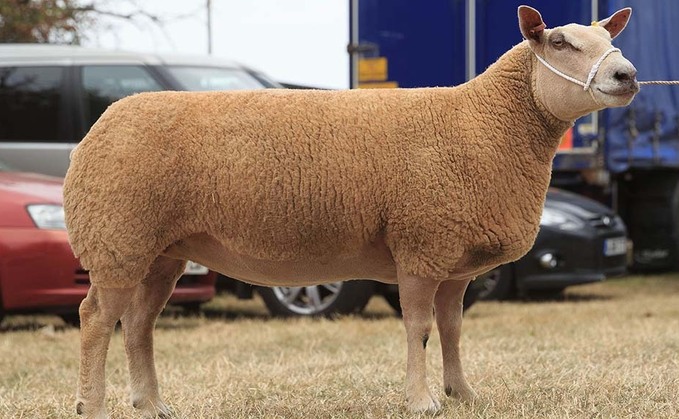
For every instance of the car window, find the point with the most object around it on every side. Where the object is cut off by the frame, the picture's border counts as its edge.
(213, 78)
(103, 85)
(265, 80)
(31, 105)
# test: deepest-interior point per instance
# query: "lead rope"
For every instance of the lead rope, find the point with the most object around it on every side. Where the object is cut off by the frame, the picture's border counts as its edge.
(661, 82)
(592, 71)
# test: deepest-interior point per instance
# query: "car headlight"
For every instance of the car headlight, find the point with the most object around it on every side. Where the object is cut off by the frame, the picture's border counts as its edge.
(559, 219)
(49, 217)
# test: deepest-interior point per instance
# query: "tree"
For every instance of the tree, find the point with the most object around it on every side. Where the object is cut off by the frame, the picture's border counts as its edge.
(60, 21)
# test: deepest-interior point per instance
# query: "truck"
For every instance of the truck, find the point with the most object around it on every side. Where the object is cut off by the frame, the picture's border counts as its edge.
(626, 158)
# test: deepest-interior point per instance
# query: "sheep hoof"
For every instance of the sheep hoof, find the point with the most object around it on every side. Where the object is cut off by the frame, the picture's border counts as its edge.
(463, 393)
(426, 403)
(81, 410)
(156, 409)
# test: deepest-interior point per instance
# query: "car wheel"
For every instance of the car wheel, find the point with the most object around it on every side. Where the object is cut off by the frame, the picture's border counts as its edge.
(318, 300)
(497, 284)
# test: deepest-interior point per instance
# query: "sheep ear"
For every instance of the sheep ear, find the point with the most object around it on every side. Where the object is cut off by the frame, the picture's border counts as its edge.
(616, 22)
(531, 24)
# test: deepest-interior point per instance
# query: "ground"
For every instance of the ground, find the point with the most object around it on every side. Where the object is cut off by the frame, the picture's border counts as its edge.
(605, 350)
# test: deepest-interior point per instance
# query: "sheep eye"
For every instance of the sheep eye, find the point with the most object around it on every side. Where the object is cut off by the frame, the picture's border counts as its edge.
(558, 43)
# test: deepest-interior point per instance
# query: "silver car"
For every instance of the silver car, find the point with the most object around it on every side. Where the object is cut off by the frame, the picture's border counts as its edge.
(50, 95)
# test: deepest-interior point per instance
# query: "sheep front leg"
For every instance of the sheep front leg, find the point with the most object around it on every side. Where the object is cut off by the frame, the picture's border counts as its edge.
(99, 313)
(417, 300)
(448, 308)
(138, 323)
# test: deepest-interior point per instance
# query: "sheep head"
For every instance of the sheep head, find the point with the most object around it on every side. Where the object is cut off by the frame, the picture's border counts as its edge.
(600, 77)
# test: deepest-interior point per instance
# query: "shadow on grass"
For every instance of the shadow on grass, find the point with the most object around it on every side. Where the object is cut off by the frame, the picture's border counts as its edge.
(19, 324)
(217, 314)
(185, 317)
(171, 319)
(564, 298)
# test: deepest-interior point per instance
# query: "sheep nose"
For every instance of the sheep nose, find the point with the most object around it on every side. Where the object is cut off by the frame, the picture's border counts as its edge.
(625, 76)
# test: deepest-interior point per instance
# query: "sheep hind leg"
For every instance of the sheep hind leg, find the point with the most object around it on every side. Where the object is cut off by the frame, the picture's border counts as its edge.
(138, 323)
(99, 313)
(417, 301)
(448, 308)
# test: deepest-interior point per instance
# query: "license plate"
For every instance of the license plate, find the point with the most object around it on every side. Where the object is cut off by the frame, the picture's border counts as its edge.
(615, 247)
(192, 268)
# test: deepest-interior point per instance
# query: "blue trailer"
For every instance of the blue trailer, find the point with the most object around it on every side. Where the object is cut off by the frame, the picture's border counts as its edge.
(627, 158)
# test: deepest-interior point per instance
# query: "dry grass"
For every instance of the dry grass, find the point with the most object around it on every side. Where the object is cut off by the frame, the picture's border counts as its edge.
(607, 350)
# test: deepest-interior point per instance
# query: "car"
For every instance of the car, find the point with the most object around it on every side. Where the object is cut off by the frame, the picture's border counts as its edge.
(38, 271)
(580, 241)
(68, 87)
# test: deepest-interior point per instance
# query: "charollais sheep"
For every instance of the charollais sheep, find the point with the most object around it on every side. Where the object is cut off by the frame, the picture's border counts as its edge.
(425, 188)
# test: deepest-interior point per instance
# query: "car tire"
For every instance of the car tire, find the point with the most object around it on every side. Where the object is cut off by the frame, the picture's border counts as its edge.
(327, 300)
(497, 284)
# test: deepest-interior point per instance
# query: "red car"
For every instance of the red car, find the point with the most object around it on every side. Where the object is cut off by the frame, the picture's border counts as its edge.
(38, 271)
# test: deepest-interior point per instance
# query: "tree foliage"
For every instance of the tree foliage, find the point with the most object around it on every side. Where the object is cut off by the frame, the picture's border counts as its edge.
(59, 21)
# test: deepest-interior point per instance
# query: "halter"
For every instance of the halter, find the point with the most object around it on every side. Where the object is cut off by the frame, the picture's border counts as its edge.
(586, 85)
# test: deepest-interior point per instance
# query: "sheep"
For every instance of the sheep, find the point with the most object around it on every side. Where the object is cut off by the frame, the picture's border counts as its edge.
(426, 188)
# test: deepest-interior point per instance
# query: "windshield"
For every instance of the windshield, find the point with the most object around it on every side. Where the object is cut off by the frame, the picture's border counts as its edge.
(214, 78)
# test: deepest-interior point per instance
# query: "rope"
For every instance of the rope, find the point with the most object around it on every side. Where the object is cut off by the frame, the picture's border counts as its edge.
(661, 82)
(559, 73)
(592, 72)
(595, 68)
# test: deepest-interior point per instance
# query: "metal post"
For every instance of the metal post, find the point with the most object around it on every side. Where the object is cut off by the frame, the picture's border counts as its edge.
(595, 115)
(209, 27)
(353, 40)
(592, 127)
(471, 39)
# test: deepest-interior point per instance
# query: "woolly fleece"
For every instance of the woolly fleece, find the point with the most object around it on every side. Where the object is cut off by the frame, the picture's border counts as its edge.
(443, 182)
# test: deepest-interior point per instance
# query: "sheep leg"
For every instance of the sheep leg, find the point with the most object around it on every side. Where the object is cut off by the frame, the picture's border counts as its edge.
(138, 323)
(99, 313)
(448, 308)
(417, 300)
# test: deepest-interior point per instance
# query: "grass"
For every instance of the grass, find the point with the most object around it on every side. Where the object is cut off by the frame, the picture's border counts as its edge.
(605, 350)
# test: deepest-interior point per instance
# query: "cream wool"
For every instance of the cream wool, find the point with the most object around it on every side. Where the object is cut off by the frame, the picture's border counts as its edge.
(422, 187)
(399, 166)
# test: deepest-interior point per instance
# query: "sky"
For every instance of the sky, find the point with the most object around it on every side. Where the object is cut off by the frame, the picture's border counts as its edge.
(294, 41)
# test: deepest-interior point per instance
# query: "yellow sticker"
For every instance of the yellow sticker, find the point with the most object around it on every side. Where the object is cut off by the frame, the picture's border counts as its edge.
(379, 85)
(372, 69)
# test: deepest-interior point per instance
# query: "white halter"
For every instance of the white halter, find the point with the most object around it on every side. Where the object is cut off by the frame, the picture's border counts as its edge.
(592, 72)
